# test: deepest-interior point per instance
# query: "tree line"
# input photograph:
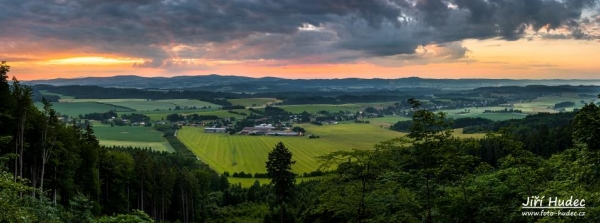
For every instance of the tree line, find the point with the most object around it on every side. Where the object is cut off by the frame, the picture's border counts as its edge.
(95, 92)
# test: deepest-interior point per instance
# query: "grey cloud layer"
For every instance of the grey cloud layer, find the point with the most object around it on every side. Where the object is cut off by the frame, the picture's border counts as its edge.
(269, 29)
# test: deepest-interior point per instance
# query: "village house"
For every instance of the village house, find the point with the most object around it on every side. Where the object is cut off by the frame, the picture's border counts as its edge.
(283, 133)
(266, 129)
(215, 130)
(257, 130)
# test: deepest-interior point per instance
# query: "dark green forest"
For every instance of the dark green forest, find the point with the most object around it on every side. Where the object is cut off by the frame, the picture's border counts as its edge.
(52, 171)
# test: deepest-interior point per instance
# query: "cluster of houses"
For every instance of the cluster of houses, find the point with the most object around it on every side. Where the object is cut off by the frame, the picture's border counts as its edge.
(263, 129)
(215, 130)
(267, 129)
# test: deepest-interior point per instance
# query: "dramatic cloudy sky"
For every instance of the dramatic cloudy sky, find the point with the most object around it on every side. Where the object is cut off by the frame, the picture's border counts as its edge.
(302, 38)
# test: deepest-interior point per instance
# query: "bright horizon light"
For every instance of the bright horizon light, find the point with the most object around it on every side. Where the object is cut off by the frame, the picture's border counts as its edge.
(92, 61)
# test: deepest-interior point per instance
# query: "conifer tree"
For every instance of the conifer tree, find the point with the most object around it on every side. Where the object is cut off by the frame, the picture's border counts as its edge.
(279, 168)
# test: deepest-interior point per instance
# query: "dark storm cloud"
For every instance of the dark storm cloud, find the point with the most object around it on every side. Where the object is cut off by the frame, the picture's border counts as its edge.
(142, 28)
(383, 41)
(513, 17)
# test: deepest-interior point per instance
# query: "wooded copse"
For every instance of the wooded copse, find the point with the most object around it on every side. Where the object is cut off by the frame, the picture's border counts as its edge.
(56, 172)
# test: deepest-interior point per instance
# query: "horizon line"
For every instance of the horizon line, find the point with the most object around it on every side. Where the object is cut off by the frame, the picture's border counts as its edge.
(312, 78)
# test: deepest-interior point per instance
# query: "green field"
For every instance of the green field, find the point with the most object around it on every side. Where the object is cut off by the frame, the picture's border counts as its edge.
(541, 104)
(44, 92)
(247, 182)
(162, 115)
(387, 120)
(313, 109)
(546, 104)
(76, 108)
(253, 102)
(102, 100)
(478, 113)
(146, 105)
(236, 153)
(502, 116)
(135, 136)
(164, 104)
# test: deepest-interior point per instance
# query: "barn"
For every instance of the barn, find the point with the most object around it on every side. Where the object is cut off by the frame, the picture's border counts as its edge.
(215, 130)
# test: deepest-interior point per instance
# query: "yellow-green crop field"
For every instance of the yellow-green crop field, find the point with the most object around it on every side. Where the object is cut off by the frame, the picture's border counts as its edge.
(134, 136)
(236, 153)
(387, 121)
(247, 182)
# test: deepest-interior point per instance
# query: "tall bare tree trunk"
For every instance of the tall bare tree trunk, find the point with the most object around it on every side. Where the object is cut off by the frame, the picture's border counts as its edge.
(20, 147)
(162, 208)
(106, 195)
(22, 94)
(45, 158)
(42, 176)
(16, 158)
(34, 176)
(46, 149)
(183, 210)
(142, 202)
(54, 191)
(193, 216)
(21, 141)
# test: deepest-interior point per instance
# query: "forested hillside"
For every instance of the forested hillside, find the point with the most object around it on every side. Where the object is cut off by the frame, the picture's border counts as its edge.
(57, 172)
(51, 171)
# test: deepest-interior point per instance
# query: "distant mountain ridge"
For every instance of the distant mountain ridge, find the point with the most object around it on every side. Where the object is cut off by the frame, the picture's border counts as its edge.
(223, 83)
(147, 82)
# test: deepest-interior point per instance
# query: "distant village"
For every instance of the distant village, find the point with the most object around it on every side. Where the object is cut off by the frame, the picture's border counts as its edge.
(262, 129)
(275, 121)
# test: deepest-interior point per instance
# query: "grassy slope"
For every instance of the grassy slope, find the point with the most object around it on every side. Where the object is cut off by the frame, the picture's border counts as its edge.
(135, 136)
(247, 182)
(76, 108)
(478, 112)
(313, 109)
(387, 120)
(59, 95)
(158, 115)
(541, 104)
(103, 100)
(144, 105)
(333, 108)
(236, 153)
